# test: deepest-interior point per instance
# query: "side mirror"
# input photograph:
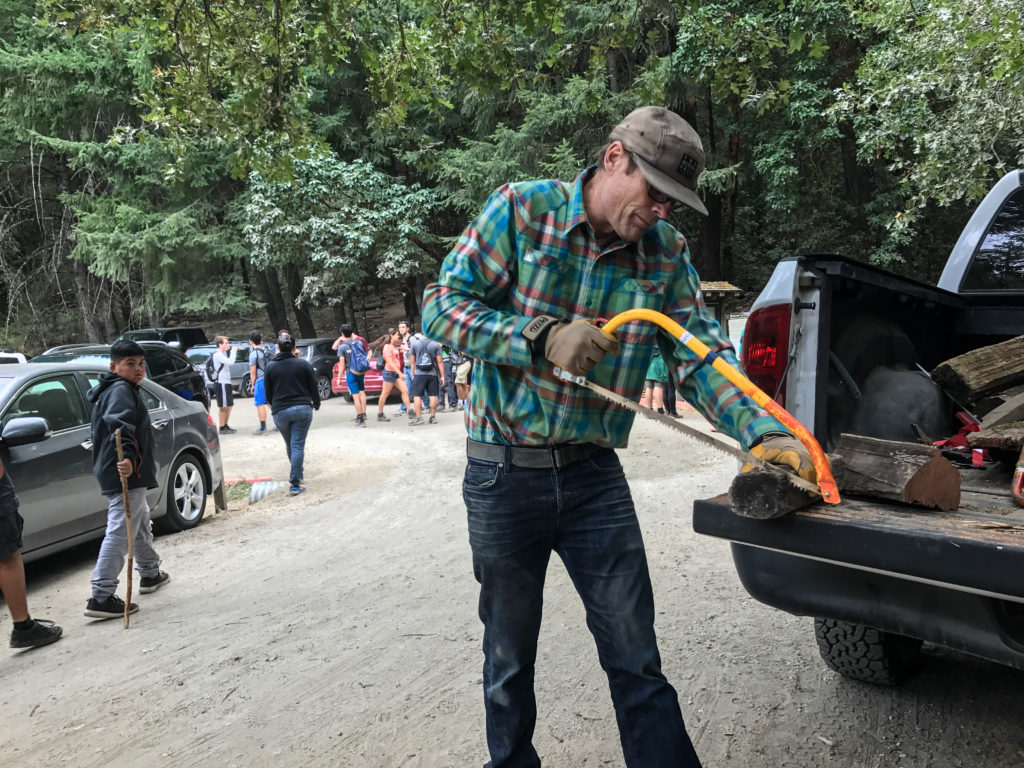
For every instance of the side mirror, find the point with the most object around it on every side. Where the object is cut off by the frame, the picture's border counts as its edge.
(25, 430)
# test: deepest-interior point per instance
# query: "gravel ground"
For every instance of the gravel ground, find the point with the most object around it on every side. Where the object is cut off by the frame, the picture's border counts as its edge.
(338, 628)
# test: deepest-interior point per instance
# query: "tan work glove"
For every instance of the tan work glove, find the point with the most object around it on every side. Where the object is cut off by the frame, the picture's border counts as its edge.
(578, 346)
(787, 452)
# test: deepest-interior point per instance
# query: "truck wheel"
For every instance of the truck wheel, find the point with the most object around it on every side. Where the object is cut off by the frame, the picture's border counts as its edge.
(866, 654)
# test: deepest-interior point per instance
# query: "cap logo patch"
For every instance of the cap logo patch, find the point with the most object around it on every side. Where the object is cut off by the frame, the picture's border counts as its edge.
(687, 167)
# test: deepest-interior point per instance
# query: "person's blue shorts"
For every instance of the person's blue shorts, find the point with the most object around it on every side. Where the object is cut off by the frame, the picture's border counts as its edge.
(355, 382)
(389, 376)
(259, 394)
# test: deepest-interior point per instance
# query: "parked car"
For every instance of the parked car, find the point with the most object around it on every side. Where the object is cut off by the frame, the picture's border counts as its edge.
(182, 338)
(7, 356)
(46, 447)
(372, 382)
(318, 353)
(165, 366)
(240, 378)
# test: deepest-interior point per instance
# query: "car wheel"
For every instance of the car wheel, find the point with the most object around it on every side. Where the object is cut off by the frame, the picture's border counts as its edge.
(186, 496)
(867, 654)
(245, 388)
(323, 386)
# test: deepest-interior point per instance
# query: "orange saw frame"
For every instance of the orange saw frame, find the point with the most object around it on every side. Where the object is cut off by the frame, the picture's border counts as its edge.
(825, 482)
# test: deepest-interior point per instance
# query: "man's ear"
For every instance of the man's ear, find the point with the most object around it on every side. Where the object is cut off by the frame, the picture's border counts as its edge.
(112, 364)
(614, 156)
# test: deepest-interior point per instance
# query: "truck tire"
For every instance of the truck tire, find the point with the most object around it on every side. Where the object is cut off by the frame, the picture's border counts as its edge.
(867, 654)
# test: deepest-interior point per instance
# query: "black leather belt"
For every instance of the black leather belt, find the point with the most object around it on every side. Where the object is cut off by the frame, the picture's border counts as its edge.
(539, 457)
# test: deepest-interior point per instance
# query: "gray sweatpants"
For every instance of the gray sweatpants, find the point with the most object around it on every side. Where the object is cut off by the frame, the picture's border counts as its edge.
(114, 548)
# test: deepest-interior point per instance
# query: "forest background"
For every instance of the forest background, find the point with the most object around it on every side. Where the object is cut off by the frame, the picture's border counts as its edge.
(171, 161)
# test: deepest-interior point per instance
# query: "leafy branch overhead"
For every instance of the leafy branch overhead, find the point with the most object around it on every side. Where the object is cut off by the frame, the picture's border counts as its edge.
(239, 71)
(343, 222)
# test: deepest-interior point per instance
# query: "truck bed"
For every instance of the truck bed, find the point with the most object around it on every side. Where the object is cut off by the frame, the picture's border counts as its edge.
(958, 549)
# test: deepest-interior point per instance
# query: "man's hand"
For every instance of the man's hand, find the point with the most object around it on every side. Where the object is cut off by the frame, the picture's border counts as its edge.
(787, 452)
(124, 467)
(578, 346)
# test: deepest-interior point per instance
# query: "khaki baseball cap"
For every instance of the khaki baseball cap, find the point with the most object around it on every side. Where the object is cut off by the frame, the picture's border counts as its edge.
(668, 151)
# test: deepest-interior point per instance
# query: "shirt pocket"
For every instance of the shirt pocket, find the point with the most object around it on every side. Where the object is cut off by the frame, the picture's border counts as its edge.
(545, 280)
(634, 293)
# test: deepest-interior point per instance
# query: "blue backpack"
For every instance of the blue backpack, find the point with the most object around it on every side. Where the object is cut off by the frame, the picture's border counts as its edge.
(357, 360)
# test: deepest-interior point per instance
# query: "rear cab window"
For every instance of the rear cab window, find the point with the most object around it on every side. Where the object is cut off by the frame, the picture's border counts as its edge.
(998, 264)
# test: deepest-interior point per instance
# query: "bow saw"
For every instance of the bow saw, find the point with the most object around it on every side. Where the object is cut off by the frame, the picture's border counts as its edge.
(826, 484)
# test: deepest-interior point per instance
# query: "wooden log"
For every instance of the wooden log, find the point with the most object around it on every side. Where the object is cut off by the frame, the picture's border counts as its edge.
(907, 472)
(970, 376)
(763, 495)
(1010, 409)
(1007, 437)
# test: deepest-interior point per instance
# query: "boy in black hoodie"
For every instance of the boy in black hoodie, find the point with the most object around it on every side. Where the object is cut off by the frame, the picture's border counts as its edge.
(117, 405)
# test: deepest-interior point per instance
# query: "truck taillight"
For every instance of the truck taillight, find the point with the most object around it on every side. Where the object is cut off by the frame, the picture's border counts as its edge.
(766, 349)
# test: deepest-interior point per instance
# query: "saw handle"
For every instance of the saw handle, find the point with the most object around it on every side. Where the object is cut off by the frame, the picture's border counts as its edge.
(826, 483)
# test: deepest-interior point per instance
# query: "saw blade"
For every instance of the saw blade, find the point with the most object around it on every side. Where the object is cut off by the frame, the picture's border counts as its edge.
(695, 434)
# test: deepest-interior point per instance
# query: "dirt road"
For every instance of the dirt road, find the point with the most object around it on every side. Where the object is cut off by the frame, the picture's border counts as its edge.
(338, 628)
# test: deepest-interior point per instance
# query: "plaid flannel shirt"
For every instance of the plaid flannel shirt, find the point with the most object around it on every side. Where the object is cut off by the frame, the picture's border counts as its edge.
(531, 251)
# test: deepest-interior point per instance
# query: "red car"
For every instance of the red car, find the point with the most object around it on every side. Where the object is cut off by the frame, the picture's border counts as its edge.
(372, 382)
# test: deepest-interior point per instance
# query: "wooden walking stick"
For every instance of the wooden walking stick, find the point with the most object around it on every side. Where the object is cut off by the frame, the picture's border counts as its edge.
(128, 525)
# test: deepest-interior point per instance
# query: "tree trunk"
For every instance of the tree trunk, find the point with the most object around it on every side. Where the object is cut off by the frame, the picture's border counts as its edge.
(707, 261)
(92, 301)
(271, 300)
(610, 68)
(708, 265)
(302, 317)
(732, 157)
(412, 307)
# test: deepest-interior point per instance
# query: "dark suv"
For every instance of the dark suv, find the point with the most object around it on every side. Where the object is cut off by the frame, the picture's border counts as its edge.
(318, 353)
(182, 338)
(165, 366)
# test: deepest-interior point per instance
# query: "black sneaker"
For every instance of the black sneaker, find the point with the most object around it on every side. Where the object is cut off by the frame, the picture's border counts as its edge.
(149, 584)
(382, 417)
(42, 632)
(110, 608)
(226, 430)
(432, 420)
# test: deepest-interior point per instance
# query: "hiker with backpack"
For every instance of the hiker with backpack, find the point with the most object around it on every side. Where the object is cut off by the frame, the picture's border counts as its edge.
(218, 372)
(427, 376)
(353, 363)
(258, 357)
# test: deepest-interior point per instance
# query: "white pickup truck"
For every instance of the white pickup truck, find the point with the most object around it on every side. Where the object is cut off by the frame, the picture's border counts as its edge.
(845, 347)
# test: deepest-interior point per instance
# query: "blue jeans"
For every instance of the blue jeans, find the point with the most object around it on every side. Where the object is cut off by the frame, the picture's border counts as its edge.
(293, 424)
(585, 514)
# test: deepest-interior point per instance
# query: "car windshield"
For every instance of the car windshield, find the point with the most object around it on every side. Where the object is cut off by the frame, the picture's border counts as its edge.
(140, 336)
(198, 355)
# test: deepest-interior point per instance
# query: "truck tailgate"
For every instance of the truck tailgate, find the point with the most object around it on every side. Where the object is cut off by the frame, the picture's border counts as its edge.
(978, 547)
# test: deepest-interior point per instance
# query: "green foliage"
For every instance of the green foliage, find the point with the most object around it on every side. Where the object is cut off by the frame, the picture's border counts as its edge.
(340, 223)
(940, 100)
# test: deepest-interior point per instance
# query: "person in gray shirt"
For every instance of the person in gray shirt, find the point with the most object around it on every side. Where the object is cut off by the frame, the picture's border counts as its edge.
(427, 376)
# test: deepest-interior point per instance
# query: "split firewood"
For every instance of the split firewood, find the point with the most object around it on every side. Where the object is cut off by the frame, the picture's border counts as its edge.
(1010, 409)
(972, 375)
(906, 472)
(1006, 437)
(762, 495)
